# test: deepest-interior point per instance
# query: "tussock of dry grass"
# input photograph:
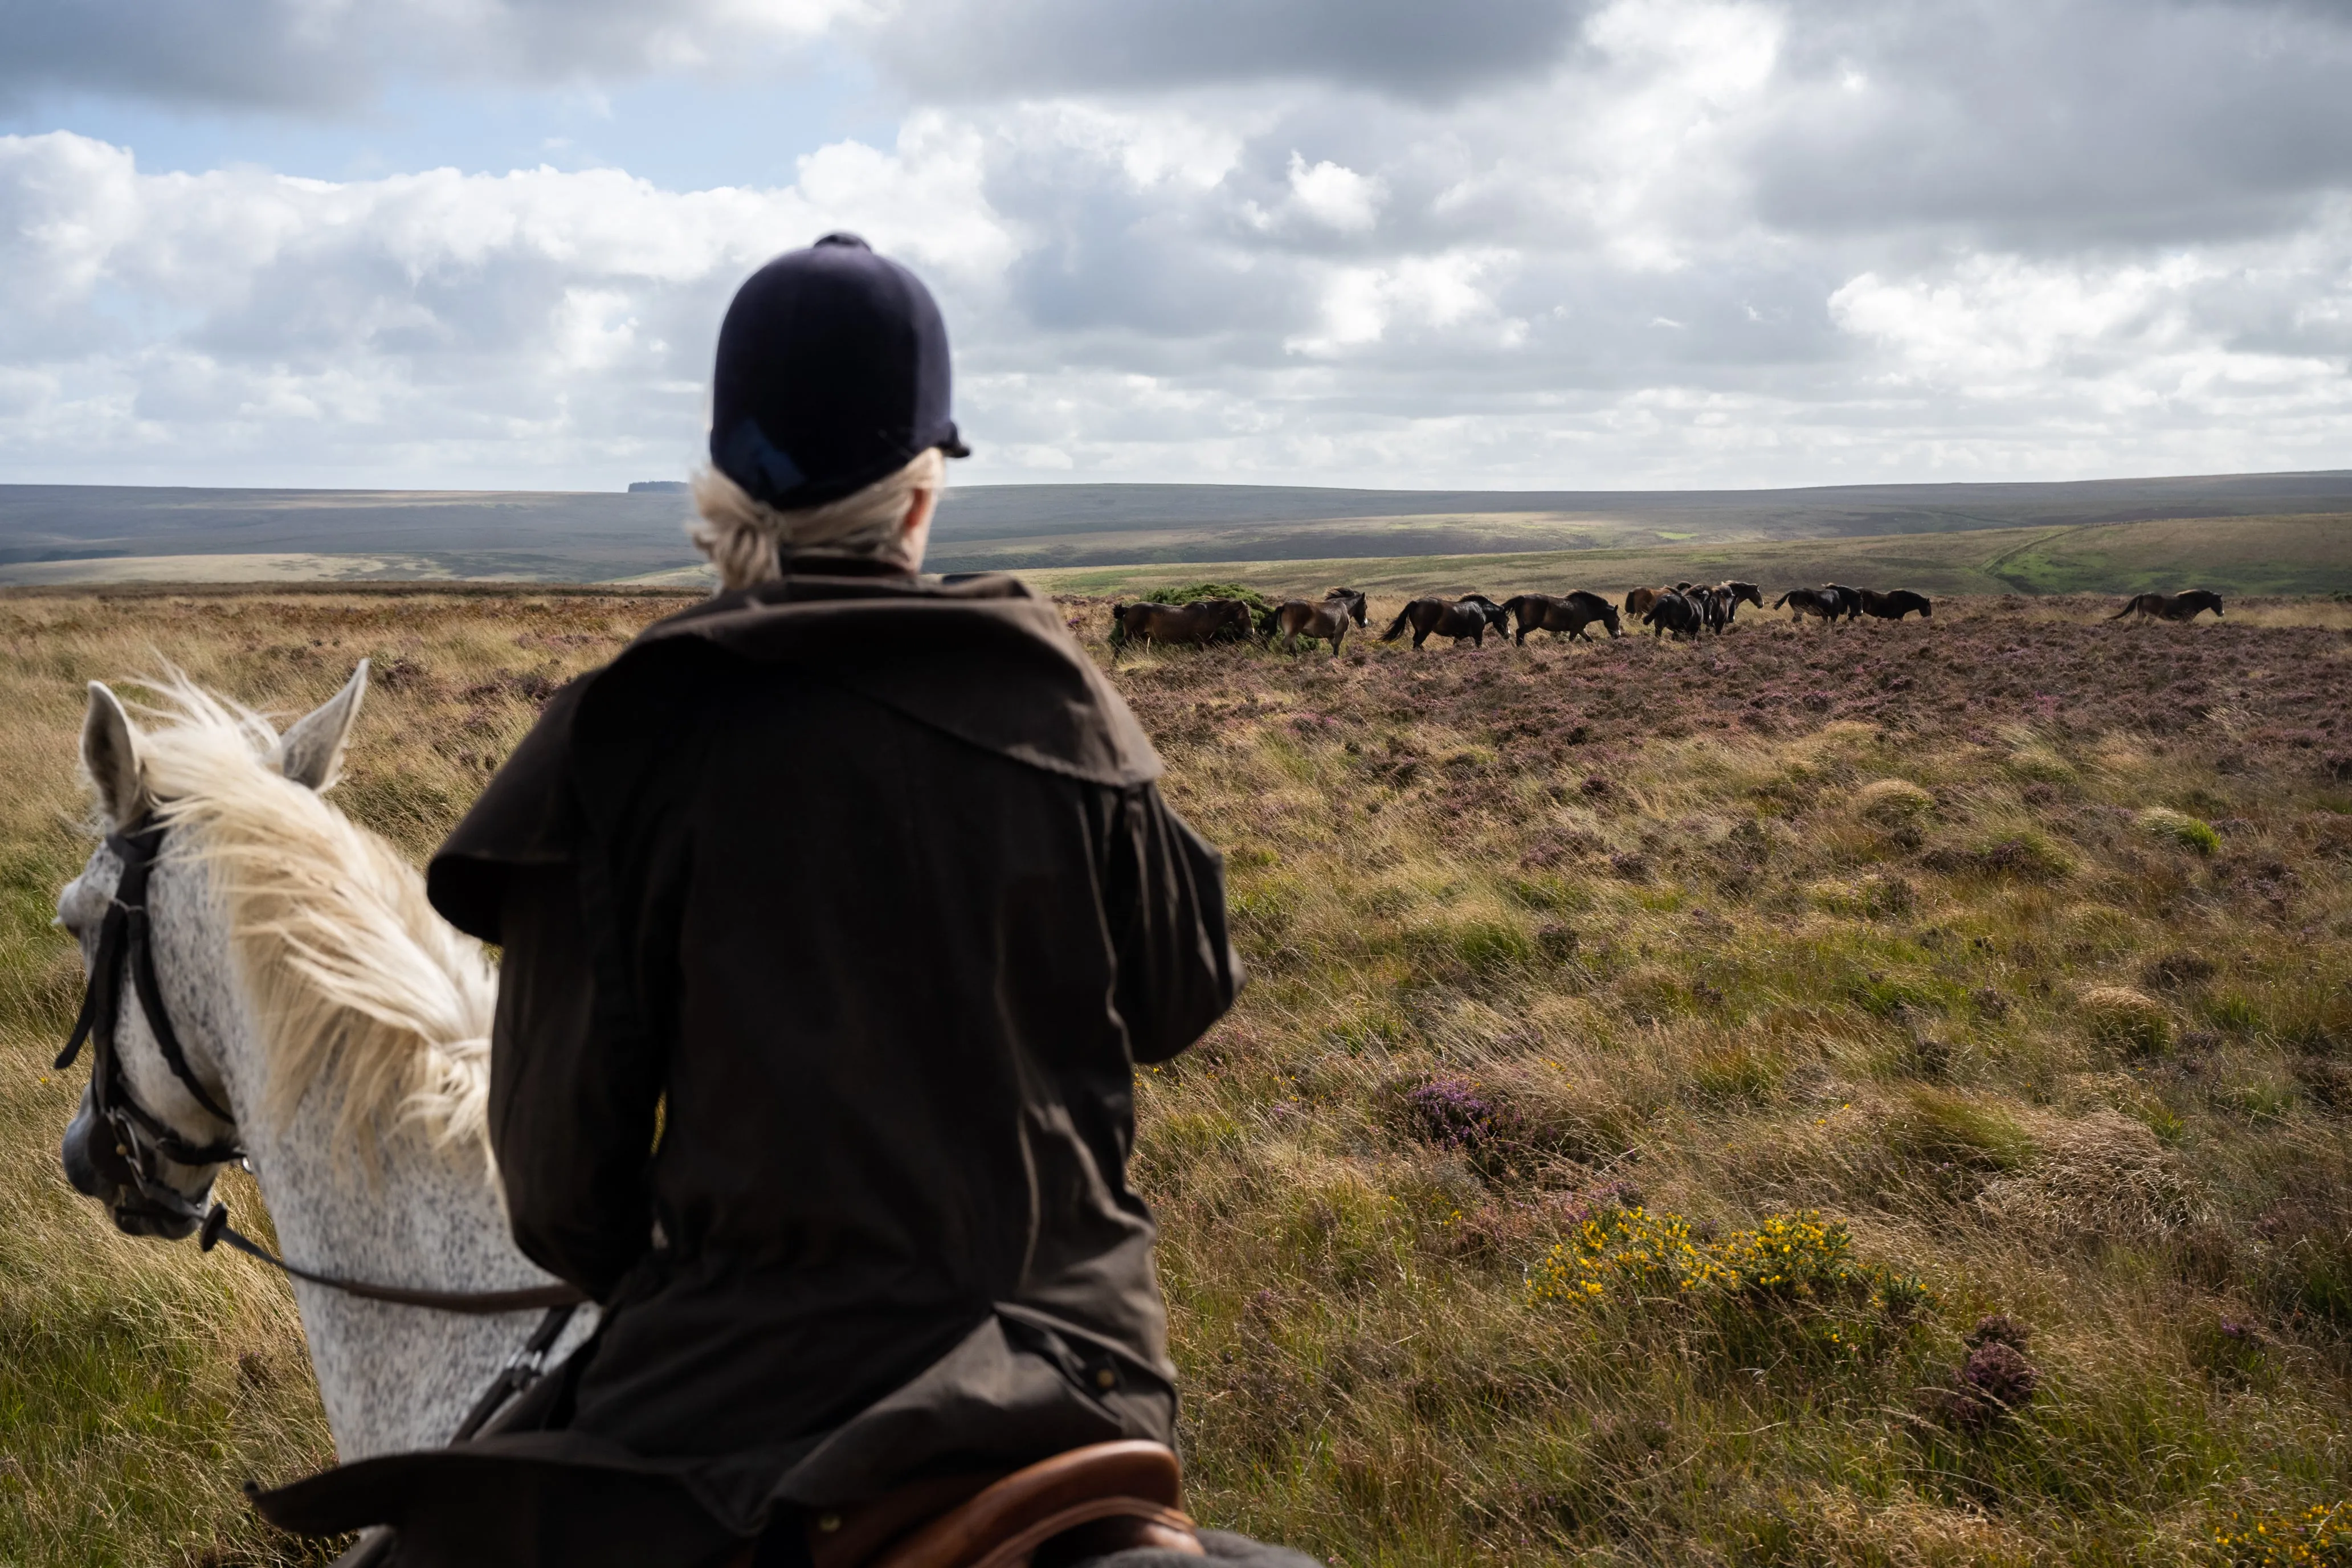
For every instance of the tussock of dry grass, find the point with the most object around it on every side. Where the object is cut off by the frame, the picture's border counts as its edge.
(1870, 923)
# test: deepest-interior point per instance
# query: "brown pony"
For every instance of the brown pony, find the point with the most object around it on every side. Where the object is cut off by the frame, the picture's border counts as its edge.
(1470, 616)
(1199, 623)
(1572, 614)
(1638, 602)
(2182, 606)
(1296, 619)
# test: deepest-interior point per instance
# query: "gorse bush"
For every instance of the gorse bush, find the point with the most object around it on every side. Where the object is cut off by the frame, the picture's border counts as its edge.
(1631, 1253)
(1193, 593)
(2319, 1536)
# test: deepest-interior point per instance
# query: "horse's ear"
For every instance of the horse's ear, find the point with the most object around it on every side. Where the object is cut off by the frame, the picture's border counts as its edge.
(110, 756)
(311, 752)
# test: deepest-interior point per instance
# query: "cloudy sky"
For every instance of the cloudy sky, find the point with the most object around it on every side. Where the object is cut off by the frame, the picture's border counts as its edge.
(1639, 243)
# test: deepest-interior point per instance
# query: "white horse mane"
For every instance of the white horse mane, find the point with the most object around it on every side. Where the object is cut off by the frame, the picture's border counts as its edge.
(350, 971)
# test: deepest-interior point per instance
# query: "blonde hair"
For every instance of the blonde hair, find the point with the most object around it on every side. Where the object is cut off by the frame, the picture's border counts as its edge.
(747, 539)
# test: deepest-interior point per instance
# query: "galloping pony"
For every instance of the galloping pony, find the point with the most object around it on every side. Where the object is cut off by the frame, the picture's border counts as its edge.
(1472, 616)
(1569, 614)
(2185, 605)
(1295, 619)
(268, 984)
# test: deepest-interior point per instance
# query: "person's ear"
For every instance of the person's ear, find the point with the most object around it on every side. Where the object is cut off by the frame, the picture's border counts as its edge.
(919, 510)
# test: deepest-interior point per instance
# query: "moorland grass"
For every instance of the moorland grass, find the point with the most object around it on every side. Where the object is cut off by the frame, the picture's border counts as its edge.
(1819, 996)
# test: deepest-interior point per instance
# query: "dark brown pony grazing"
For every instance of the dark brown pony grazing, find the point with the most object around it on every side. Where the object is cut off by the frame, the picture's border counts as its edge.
(2182, 606)
(1296, 619)
(1639, 601)
(1894, 606)
(1803, 602)
(1201, 622)
(1470, 616)
(1569, 612)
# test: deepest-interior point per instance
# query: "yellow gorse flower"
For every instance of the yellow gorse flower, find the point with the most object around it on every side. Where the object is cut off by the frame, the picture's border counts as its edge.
(1633, 1252)
(2320, 1536)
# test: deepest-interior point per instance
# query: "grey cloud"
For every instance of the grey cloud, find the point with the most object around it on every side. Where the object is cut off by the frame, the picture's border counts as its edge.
(245, 52)
(280, 55)
(986, 49)
(286, 56)
(2061, 123)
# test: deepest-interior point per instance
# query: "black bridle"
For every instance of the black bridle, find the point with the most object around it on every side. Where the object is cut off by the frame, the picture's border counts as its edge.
(143, 1140)
(126, 940)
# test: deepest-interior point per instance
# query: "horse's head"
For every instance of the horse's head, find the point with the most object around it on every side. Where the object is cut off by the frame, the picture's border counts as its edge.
(1351, 600)
(1609, 618)
(157, 1120)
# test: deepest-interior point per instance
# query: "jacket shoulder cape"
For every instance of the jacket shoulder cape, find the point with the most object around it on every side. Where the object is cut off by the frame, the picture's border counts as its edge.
(978, 659)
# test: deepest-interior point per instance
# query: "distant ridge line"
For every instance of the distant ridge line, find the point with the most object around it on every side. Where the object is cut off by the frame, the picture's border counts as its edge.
(557, 536)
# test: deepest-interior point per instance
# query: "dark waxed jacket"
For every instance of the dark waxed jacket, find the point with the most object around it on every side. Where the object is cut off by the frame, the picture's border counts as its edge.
(866, 884)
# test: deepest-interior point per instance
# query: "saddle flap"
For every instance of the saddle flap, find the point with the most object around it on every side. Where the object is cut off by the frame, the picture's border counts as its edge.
(1006, 1522)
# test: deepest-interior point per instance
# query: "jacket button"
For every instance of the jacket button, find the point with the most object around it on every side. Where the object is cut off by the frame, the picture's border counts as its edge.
(1105, 1379)
(828, 1522)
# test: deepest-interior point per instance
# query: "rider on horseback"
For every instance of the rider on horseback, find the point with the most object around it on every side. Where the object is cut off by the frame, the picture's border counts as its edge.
(834, 913)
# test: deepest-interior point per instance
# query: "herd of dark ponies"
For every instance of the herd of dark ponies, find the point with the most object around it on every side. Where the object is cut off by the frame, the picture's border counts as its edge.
(1684, 611)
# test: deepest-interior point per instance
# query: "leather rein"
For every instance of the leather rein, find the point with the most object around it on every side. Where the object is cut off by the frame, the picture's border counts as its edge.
(143, 1140)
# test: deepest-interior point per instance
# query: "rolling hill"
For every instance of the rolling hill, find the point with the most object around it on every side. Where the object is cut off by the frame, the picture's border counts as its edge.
(2306, 554)
(61, 533)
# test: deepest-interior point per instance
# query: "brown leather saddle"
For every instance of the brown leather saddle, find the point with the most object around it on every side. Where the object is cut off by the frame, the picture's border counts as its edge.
(1108, 1497)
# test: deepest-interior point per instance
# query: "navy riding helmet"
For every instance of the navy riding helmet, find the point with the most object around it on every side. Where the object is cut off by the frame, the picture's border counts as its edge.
(833, 373)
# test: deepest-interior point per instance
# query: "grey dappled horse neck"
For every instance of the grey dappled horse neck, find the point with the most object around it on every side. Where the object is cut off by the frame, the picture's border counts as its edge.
(412, 1213)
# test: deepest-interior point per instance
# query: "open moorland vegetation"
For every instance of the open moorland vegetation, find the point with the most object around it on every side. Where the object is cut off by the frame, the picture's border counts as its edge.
(1869, 1094)
(2300, 554)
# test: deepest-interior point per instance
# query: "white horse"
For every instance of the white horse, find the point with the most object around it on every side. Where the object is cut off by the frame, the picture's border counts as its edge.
(341, 1025)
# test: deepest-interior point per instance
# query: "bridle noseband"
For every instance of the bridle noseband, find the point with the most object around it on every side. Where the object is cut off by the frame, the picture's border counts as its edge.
(143, 1140)
(126, 940)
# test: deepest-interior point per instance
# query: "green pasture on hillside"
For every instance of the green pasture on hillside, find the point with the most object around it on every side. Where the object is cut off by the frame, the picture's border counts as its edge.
(2232, 555)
